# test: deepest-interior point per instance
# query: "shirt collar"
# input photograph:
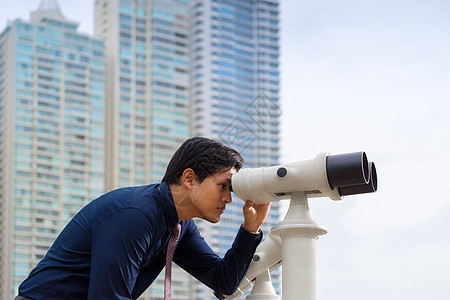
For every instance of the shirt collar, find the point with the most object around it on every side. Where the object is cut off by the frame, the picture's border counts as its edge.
(168, 206)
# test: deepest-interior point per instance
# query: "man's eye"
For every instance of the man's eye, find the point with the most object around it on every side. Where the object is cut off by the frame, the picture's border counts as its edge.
(222, 186)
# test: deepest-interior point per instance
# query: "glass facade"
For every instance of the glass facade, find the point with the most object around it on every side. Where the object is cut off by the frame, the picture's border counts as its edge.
(148, 86)
(235, 74)
(235, 95)
(52, 135)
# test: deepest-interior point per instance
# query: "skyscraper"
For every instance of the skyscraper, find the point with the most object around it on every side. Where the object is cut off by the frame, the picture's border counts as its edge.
(51, 135)
(147, 86)
(235, 94)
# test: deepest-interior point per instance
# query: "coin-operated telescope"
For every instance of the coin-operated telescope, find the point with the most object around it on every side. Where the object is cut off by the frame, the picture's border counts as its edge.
(293, 242)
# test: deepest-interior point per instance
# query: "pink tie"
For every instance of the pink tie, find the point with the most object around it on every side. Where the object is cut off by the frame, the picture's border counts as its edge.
(169, 255)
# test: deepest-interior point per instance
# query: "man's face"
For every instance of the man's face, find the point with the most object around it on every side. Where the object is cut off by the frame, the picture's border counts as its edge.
(212, 195)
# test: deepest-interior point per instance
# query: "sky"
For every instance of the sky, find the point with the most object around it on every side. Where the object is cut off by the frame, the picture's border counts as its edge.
(369, 76)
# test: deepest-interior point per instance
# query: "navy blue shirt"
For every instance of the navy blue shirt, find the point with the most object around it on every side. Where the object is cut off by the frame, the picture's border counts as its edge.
(115, 247)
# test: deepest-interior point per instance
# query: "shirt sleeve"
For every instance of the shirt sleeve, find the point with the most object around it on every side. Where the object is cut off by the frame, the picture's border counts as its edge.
(223, 275)
(119, 244)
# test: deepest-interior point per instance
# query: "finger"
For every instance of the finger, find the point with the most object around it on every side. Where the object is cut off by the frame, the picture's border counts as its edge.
(248, 204)
(263, 210)
(263, 206)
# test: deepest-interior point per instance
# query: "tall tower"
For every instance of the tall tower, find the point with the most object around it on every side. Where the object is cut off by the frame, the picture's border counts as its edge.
(147, 108)
(235, 94)
(147, 67)
(51, 135)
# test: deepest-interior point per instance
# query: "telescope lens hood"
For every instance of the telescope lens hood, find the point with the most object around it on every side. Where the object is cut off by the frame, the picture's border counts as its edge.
(370, 187)
(347, 169)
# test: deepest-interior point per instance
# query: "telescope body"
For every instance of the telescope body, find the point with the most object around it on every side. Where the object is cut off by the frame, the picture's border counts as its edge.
(326, 175)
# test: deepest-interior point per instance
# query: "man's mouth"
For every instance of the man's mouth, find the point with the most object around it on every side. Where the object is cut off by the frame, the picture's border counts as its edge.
(221, 209)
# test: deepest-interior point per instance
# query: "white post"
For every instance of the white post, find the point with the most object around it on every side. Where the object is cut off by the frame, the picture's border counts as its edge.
(299, 232)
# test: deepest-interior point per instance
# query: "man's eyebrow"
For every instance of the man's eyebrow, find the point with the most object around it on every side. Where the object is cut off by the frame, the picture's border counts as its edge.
(226, 179)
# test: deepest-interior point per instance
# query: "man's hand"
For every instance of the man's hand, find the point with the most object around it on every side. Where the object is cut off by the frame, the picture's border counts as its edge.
(254, 215)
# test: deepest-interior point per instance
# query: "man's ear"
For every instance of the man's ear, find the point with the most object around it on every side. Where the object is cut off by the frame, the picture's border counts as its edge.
(188, 178)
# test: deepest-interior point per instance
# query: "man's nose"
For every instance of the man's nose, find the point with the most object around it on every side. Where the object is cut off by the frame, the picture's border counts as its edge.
(227, 198)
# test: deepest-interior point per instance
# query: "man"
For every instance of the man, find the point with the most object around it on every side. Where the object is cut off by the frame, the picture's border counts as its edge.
(116, 246)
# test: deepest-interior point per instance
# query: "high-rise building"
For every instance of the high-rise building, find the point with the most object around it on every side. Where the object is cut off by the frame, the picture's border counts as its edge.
(147, 92)
(235, 94)
(51, 135)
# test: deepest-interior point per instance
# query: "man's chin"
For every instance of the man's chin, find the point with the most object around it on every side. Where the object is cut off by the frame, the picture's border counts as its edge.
(213, 220)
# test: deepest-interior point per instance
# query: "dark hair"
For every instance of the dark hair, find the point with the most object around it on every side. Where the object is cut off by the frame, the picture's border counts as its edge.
(204, 156)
